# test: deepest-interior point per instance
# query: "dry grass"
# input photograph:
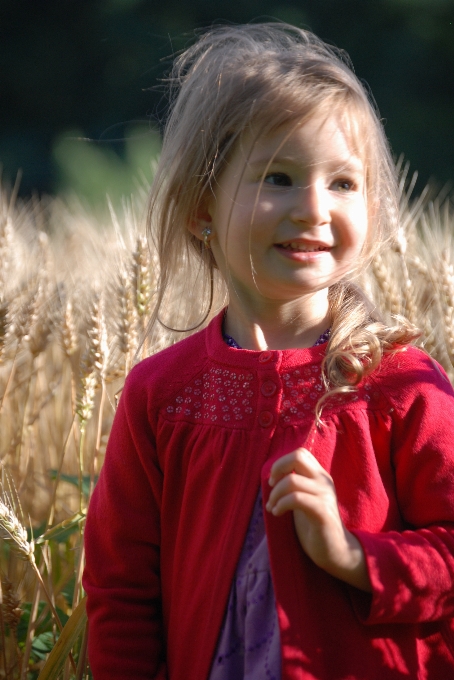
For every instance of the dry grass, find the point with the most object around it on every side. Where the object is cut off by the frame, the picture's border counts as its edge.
(75, 295)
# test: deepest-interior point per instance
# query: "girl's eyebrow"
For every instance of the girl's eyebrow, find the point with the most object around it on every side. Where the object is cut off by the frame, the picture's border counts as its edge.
(352, 163)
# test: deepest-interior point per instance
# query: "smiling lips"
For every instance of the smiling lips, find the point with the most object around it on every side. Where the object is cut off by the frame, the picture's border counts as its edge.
(299, 247)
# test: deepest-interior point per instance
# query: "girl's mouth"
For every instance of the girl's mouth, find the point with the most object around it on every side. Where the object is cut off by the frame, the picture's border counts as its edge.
(299, 247)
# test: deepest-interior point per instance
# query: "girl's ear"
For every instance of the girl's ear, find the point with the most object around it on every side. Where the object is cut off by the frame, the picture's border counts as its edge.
(202, 220)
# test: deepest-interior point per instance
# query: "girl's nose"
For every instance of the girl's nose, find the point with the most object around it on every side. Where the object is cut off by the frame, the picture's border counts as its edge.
(312, 204)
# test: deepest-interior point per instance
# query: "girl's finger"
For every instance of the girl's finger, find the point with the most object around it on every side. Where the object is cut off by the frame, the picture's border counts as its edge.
(293, 484)
(300, 461)
(313, 506)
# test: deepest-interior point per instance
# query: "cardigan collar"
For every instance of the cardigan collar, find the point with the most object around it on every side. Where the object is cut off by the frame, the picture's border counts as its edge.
(220, 351)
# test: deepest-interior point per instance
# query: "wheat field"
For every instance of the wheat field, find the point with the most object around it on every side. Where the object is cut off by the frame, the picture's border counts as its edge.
(75, 295)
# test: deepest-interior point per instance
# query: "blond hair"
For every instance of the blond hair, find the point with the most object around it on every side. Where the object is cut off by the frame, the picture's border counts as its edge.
(264, 76)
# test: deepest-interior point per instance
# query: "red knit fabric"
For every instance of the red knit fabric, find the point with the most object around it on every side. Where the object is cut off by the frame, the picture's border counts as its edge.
(197, 427)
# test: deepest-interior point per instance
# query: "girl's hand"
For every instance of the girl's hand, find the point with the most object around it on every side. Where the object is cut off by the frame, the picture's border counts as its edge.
(301, 484)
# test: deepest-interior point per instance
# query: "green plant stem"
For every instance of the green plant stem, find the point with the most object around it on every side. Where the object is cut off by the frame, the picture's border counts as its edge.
(83, 429)
(94, 465)
(30, 631)
(50, 517)
(27, 395)
(2, 631)
(82, 660)
(49, 601)
(46, 593)
(80, 569)
(67, 670)
(28, 406)
(10, 379)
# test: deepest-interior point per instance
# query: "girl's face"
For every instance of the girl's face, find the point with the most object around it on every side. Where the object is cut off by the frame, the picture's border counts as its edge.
(300, 229)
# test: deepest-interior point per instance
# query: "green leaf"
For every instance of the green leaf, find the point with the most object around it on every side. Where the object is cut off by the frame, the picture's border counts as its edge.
(74, 480)
(46, 625)
(36, 531)
(64, 528)
(68, 637)
(42, 645)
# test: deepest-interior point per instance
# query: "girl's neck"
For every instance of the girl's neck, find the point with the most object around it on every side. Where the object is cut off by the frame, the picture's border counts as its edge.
(278, 325)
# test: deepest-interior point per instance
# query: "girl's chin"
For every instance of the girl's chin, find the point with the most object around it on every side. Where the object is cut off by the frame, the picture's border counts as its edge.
(278, 293)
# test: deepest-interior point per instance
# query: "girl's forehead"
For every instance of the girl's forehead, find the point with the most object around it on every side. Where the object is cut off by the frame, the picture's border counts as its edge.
(318, 140)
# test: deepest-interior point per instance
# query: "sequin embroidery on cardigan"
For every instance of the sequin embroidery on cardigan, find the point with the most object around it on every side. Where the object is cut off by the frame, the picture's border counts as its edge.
(218, 395)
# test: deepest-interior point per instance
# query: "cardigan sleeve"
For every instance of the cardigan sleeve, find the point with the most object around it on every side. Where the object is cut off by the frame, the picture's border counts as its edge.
(412, 571)
(122, 540)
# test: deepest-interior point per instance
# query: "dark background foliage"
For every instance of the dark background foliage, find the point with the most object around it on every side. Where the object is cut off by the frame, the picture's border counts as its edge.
(89, 69)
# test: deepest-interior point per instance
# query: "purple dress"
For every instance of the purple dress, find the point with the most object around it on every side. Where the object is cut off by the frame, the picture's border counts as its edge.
(249, 642)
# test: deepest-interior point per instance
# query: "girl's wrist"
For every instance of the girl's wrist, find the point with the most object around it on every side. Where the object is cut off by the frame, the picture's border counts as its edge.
(352, 568)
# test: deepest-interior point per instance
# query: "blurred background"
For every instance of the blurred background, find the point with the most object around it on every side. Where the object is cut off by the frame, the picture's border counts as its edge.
(82, 96)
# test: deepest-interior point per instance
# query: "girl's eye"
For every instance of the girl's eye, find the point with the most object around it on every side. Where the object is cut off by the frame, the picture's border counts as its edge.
(343, 185)
(278, 179)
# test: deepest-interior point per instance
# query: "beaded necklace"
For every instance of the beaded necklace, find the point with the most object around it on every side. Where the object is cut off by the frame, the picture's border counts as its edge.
(233, 343)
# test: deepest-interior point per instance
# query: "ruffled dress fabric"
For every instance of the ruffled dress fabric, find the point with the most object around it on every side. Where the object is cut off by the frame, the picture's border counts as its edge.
(249, 643)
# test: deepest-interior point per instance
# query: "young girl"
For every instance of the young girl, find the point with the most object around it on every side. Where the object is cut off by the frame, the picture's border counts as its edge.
(277, 499)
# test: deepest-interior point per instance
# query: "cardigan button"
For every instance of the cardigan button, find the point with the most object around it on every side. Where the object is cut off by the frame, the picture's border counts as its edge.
(264, 357)
(265, 419)
(268, 388)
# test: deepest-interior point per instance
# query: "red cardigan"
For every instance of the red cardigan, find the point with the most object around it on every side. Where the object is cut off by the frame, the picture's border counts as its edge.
(197, 428)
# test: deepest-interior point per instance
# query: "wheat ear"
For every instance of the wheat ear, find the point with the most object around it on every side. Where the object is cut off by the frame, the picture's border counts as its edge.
(410, 307)
(14, 531)
(141, 277)
(68, 331)
(11, 604)
(381, 274)
(447, 287)
(128, 319)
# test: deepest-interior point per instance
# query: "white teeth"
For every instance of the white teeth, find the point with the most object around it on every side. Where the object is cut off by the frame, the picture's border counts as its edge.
(302, 247)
